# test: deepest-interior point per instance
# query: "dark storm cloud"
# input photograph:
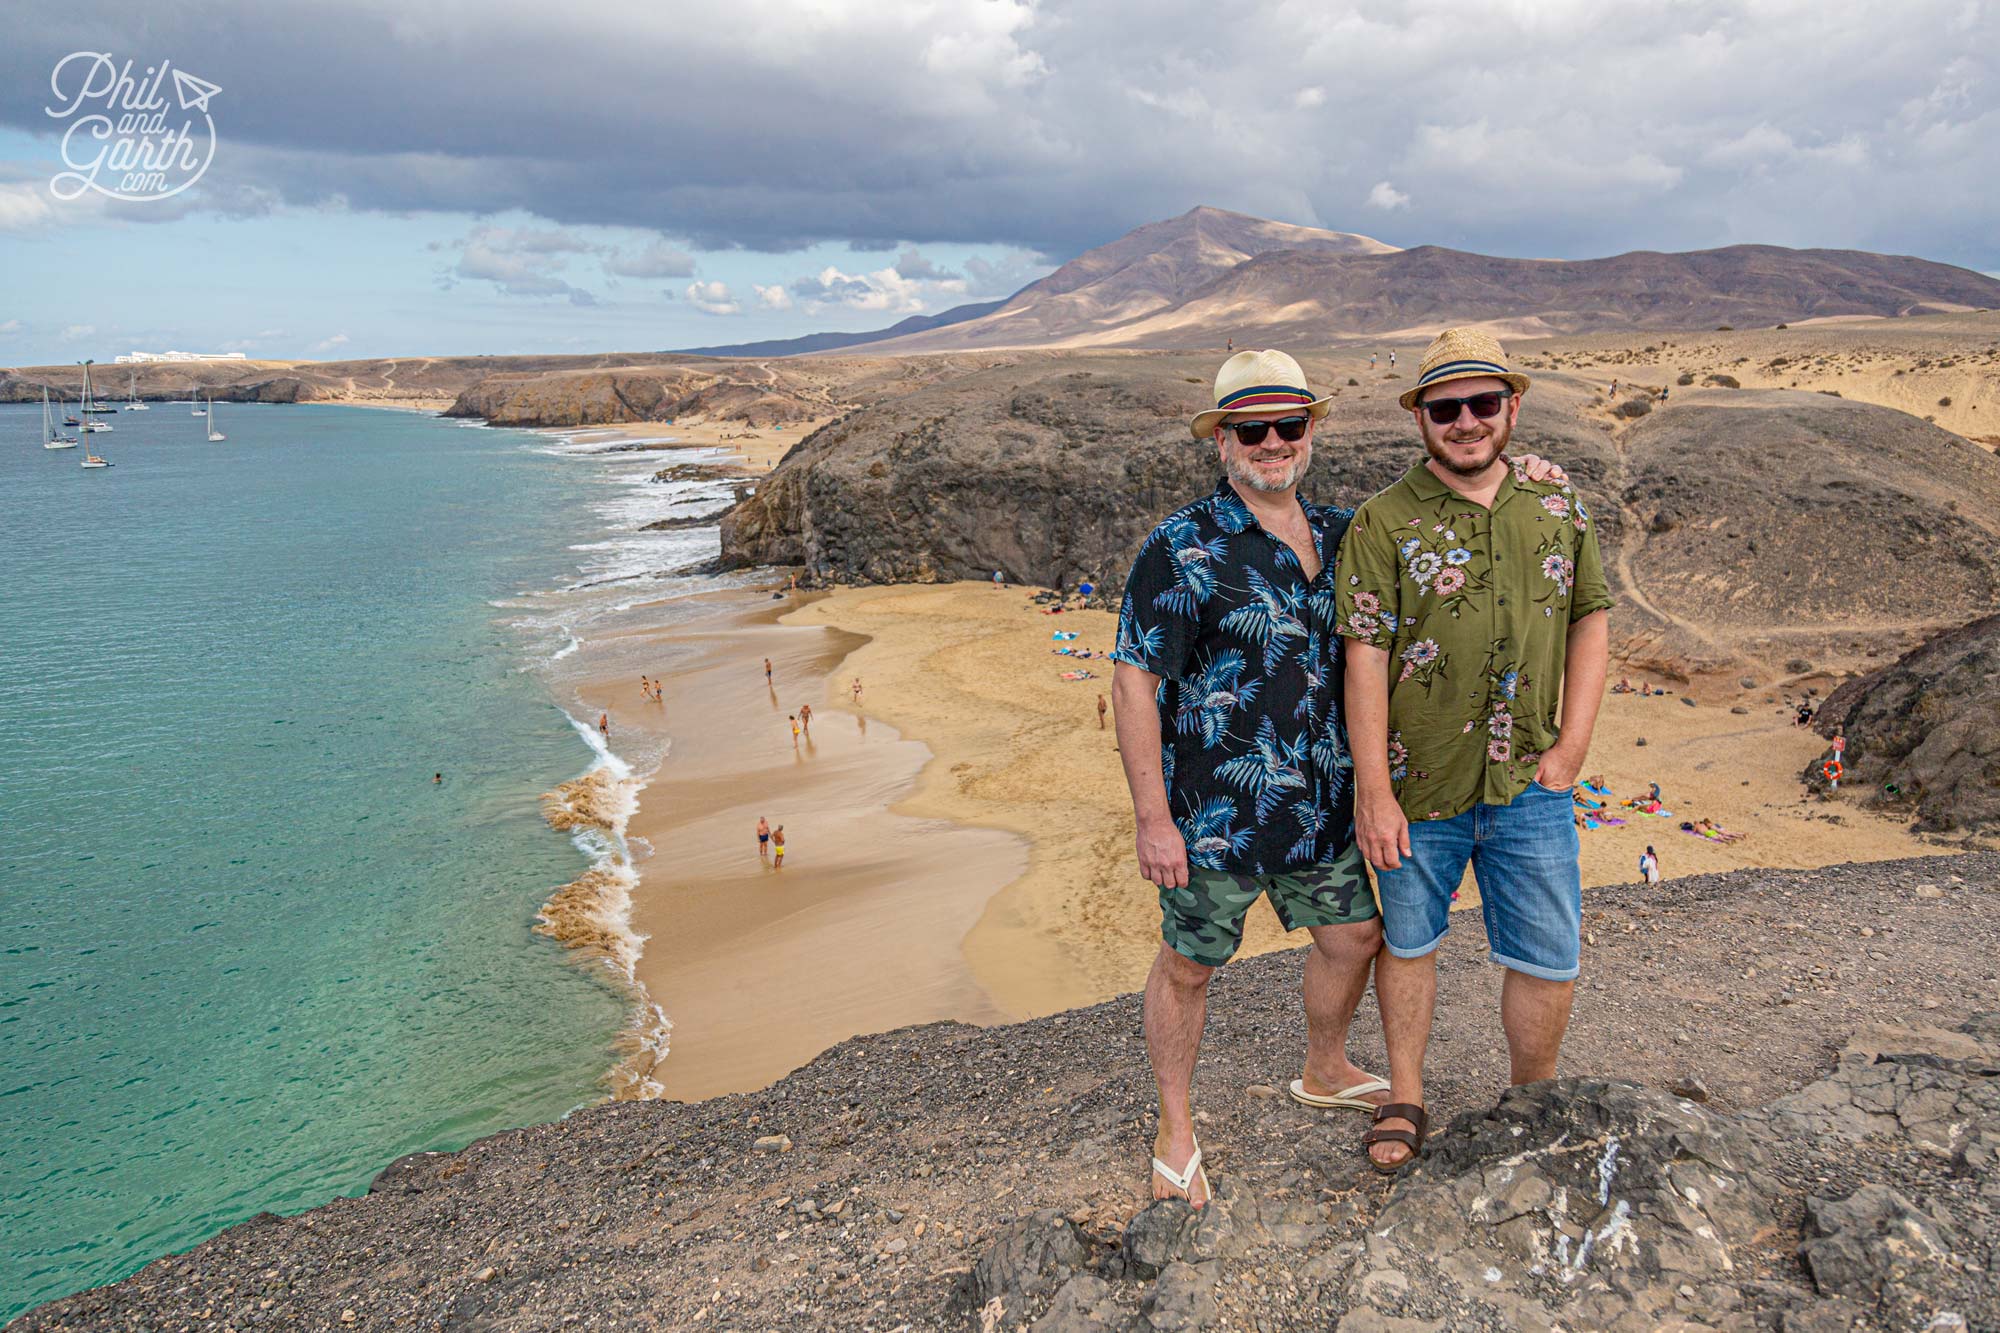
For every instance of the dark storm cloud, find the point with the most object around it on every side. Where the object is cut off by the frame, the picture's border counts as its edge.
(1553, 128)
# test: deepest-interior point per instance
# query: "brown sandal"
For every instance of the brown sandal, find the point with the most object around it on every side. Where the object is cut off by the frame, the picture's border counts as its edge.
(1411, 1139)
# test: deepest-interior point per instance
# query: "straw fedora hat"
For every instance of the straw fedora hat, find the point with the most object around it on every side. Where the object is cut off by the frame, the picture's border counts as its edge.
(1258, 382)
(1462, 354)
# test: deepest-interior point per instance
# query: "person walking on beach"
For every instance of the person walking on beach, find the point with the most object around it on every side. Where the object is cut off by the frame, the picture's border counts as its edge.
(1229, 732)
(767, 671)
(778, 846)
(1470, 594)
(999, 580)
(645, 688)
(763, 837)
(856, 689)
(795, 731)
(604, 725)
(1392, 358)
(1100, 712)
(806, 718)
(1649, 866)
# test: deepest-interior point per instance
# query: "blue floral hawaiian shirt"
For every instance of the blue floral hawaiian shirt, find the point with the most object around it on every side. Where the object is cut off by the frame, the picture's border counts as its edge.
(1256, 766)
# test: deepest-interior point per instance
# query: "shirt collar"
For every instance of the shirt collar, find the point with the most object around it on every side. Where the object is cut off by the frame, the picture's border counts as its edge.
(1424, 484)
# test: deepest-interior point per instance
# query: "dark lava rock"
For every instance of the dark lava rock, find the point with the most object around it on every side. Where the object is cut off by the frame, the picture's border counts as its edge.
(1927, 726)
(1030, 1259)
(1085, 1304)
(1600, 1197)
(1636, 406)
(1723, 381)
(1870, 1240)
(1184, 1298)
(1155, 1237)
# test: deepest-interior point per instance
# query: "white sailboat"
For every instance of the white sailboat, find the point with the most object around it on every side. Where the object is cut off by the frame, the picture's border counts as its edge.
(92, 460)
(50, 439)
(85, 409)
(132, 403)
(213, 434)
(195, 408)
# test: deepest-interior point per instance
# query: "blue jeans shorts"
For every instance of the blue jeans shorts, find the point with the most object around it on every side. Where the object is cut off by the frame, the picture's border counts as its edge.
(1525, 857)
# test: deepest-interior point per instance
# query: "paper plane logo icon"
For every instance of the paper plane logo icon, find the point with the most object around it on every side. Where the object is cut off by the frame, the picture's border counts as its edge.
(194, 93)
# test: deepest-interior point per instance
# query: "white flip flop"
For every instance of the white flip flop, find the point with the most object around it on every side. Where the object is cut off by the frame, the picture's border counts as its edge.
(1347, 1099)
(1183, 1180)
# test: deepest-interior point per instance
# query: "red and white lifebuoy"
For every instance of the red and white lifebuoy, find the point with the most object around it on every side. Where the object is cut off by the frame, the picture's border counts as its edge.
(1831, 770)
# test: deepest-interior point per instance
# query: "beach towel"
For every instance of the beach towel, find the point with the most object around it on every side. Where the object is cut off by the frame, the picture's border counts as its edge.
(1077, 675)
(1596, 791)
(1066, 634)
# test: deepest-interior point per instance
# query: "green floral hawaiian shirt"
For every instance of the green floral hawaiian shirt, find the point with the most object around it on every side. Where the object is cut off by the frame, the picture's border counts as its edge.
(1474, 608)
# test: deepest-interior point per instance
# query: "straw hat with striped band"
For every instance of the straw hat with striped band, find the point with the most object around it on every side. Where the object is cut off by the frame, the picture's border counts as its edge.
(1463, 354)
(1258, 382)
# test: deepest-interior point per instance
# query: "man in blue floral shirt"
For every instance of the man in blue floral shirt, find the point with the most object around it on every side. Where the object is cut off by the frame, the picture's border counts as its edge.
(1227, 691)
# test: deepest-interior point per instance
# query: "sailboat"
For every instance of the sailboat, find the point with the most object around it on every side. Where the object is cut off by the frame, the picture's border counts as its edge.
(132, 403)
(92, 460)
(213, 433)
(195, 409)
(50, 439)
(70, 418)
(87, 409)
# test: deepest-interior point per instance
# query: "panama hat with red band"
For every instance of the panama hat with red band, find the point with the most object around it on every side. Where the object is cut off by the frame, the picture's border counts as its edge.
(1258, 382)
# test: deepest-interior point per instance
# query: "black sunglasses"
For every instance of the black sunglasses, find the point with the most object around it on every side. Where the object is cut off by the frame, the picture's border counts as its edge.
(1250, 434)
(1444, 411)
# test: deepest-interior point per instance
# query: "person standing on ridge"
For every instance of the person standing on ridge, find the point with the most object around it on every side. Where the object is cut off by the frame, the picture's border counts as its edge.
(1474, 603)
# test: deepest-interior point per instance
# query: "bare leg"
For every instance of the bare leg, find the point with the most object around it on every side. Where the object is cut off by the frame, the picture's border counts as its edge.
(1176, 1009)
(1336, 978)
(1407, 990)
(1535, 1014)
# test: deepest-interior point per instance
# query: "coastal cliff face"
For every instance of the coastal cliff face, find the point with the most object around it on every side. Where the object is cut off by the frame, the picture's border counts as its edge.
(1055, 471)
(1737, 1144)
(1741, 529)
(1926, 726)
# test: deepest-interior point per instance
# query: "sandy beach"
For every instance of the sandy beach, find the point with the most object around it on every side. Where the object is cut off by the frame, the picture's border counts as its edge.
(969, 671)
(960, 839)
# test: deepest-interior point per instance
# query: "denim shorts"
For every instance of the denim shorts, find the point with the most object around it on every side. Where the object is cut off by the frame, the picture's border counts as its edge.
(1524, 855)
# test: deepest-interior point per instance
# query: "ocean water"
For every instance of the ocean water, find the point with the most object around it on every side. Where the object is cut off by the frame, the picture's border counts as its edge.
(249, 951)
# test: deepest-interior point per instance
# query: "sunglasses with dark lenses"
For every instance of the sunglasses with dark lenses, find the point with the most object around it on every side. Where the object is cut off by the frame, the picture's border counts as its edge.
(1250, 434)
(1444, 411)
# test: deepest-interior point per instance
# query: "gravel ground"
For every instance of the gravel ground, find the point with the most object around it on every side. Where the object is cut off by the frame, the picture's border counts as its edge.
(889, 1164)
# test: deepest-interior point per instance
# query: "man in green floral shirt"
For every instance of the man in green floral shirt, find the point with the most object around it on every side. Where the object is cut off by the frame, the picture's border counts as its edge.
(1473, 601)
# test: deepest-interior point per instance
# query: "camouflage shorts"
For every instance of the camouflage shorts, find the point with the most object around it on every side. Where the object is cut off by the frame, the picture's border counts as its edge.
(1204, 921)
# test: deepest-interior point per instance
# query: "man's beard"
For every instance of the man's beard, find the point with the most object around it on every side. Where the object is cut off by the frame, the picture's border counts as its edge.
(1496, 442)
(1241, 472)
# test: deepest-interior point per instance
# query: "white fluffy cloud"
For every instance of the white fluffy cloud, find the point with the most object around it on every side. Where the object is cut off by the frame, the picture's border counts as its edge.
(712, 298)
(1387, 197)
(886, 290)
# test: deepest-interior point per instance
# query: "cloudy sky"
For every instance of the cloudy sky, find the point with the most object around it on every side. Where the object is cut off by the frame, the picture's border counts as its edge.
(442, 176)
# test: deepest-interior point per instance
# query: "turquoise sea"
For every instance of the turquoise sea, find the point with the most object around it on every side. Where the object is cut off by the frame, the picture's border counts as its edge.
(249, 951)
